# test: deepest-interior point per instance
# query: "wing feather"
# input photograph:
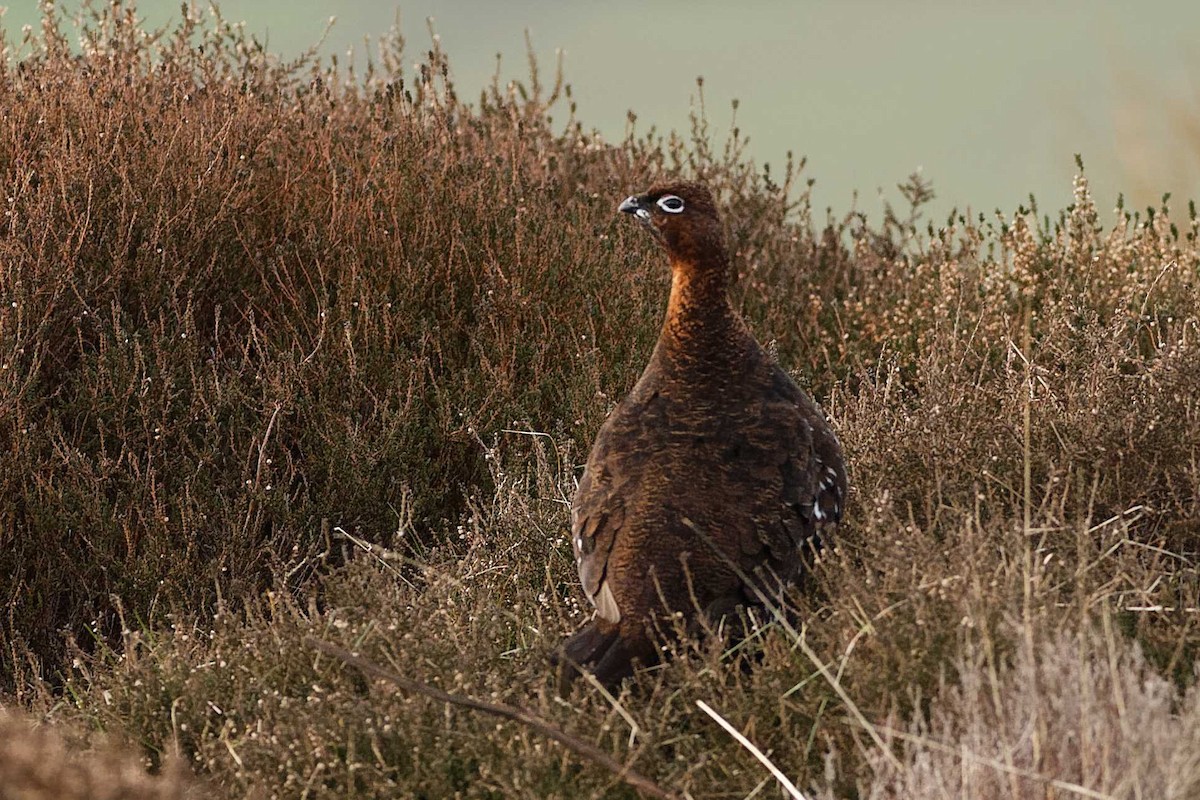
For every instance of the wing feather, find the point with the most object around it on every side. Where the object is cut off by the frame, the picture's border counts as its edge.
(811, 472)
(597, 515)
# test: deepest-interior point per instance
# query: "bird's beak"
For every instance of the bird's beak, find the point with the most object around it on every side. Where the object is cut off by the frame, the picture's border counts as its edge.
(633, 205)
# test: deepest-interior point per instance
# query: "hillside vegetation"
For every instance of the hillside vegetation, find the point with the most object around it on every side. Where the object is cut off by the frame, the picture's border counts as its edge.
(292, 350)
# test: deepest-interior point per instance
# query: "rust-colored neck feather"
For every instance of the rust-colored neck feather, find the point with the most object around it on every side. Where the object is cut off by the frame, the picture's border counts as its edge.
(701, 325)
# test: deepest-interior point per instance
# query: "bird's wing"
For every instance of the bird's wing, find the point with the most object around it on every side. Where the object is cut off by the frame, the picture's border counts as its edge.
(810, 471)
(623, 447)
(596, 517)
(829, 468)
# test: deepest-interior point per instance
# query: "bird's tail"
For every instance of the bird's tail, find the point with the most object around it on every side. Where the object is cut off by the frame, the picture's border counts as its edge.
(601, 649)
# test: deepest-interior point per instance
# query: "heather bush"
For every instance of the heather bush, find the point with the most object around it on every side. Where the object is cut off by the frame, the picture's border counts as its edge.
(1075, 714)
(289, 349)
(38, 763)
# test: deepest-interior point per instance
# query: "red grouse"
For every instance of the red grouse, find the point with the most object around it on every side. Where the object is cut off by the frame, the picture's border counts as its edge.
(714, 442)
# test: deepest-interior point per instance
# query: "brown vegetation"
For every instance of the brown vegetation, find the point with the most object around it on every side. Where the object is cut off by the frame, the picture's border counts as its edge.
(287, 351)
(36, 763)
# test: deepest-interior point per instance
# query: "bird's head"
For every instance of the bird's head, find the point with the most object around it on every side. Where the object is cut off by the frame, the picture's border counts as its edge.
(684, 218)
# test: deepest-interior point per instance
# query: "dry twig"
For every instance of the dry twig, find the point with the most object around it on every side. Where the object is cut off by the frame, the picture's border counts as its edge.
(788, 786)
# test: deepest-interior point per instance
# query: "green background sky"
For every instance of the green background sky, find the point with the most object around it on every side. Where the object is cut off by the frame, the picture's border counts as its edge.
(990, 100)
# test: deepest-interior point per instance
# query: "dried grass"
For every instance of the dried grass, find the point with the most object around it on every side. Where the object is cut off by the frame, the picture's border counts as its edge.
(290, 351)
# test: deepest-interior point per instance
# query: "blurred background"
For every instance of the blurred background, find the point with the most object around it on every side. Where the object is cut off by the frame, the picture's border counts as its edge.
(989, 100)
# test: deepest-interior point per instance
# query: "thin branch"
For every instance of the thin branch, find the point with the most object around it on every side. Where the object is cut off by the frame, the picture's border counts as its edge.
(581, 748)
(788, 786)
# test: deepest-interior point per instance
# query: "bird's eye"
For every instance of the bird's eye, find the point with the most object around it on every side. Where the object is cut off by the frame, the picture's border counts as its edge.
(670, 204)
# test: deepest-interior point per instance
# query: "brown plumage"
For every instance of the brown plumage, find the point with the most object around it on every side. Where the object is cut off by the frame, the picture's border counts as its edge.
(716, 438)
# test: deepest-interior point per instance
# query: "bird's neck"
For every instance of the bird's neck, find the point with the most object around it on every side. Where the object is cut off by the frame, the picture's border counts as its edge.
(700, 320)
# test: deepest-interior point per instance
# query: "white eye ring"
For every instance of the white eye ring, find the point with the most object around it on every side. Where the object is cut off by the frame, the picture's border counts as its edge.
(670, 204)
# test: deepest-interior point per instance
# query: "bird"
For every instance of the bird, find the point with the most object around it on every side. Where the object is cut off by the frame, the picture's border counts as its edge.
(716, 468)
